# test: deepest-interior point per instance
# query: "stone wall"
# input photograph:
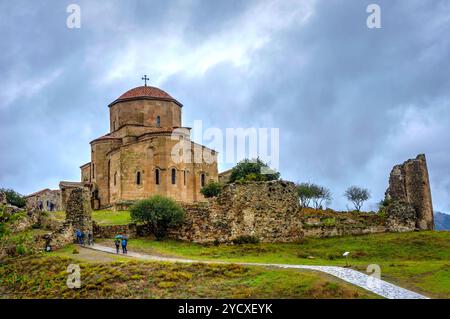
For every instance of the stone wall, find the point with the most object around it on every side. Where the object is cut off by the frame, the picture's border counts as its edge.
(269, 211)
(44, 198)
(409, 184)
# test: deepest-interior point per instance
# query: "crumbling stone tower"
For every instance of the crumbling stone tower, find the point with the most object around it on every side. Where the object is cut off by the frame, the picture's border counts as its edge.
(409, 183)
(78, 211)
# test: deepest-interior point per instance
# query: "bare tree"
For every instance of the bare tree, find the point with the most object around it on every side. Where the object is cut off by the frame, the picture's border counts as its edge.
(320, 194)
(357, 195)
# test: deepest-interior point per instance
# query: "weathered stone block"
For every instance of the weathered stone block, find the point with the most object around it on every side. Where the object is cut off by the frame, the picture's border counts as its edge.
(78, 211)
(409, 183)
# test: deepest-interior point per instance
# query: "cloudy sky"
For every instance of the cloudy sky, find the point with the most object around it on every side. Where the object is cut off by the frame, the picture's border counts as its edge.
(350, 102)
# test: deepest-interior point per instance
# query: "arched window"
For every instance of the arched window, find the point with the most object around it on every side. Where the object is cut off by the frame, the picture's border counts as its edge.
(184, 177)
(157, 176)
(93, 170)
(158, 121)
(202, 180)
(115, 178)
(174, 176)
(138, 178)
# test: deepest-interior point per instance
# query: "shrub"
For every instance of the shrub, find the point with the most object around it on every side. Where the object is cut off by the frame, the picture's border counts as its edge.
(329, 222)
(20, 249)
(159, 213)
(75, 251)
(14, 198)
(252, 170)
(245, 240)
(212, 189)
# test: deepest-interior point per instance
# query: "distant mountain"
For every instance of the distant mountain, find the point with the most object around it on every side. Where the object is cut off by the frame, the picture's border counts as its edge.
(441, 221)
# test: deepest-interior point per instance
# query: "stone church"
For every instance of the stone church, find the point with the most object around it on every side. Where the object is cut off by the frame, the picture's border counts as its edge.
(135, 159)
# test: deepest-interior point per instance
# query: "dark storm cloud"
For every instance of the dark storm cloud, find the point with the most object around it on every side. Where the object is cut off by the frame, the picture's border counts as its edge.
(350, 102)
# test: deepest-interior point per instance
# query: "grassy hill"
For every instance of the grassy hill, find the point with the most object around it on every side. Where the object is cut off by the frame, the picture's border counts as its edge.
(419, 261)
(108, 276)
(416, 260)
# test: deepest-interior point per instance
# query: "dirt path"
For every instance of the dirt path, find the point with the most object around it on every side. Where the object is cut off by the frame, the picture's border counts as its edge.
(375, 285)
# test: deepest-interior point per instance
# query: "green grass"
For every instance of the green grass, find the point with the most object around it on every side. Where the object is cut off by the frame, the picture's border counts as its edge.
(416, 260)
(108, 217)
(46, 276)
(102, 217)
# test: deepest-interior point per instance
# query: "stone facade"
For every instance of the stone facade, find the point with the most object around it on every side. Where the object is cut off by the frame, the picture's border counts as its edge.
(78, 211)
(134, 160)
(224, 176)
(409, 184)
(49, 200)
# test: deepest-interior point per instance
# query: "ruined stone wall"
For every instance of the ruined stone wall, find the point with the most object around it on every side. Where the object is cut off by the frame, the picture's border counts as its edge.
(3, 198)
(269, 211)
(111, 231)
(409, 184)
(78, 212)
(265, 210)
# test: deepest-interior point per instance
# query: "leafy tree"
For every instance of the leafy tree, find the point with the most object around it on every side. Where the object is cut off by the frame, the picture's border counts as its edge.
(211, 189)
(253, 170)
(305, 194)
(159, 213)
(310, 193)
(357, 195)
(14, 198)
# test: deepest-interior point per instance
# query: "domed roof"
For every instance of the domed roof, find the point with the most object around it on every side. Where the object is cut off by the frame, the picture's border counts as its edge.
(145, 92)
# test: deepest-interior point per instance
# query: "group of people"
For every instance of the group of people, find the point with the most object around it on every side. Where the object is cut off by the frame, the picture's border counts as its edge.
(121, 240)
(81, 237)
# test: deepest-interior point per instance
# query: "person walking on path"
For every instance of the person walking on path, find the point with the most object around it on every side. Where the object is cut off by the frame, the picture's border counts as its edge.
(78, 234)
(117, 243)
(90, 238)
(82, 238)
(124, 245)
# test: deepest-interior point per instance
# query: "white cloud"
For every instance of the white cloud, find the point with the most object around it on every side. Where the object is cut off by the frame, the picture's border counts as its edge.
(251, 31)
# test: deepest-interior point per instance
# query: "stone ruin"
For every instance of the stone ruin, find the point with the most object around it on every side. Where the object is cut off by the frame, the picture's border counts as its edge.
(3, 198)
(409, 193)
(78, 211)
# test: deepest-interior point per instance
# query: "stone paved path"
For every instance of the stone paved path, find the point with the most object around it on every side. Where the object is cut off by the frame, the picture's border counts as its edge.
(377, 286)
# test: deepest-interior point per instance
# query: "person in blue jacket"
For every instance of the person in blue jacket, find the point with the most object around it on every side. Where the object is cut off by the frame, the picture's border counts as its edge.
(124, 245)
(78, 235)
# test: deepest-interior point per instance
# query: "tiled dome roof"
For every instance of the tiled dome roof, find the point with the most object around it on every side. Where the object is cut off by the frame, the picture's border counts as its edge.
(145, 92)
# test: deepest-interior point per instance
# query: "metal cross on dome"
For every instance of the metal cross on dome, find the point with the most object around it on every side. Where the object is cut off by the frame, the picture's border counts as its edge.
(145, 78)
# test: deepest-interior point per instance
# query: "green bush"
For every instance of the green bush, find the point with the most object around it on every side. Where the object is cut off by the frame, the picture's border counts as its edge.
(212, 189)
(14, 198)
(20, 249)
(159, 213)
(252, 170)
(245, 240)
(329, 222)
